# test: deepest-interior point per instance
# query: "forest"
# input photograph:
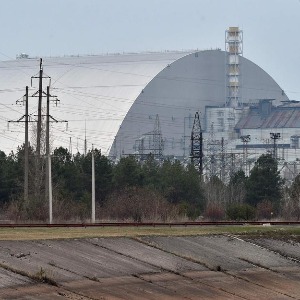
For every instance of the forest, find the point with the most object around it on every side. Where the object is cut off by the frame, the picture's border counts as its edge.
(130, 190)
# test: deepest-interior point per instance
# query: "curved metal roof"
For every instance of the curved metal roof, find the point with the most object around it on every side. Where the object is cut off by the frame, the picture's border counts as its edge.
(120, 95)
(96, 92)
(188, 85)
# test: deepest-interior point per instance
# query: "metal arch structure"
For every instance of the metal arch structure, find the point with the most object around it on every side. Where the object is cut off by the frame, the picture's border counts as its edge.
(197, 145)
(191, 83)
(118, 95)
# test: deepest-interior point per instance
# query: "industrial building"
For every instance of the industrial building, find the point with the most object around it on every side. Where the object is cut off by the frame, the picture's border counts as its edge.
(141, 103)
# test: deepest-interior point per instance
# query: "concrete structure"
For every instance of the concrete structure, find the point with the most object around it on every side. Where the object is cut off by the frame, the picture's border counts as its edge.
(119, 97)
(179, 267)
(264, 120)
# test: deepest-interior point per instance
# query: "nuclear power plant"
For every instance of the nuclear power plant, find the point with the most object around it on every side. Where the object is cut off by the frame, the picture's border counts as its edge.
(146, 103)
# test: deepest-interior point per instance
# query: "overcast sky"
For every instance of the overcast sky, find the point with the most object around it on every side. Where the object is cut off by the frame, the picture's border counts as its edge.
(68, 27)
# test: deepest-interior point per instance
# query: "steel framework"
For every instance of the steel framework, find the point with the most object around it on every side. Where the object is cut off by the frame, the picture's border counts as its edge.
(233, 48)
(197, 145)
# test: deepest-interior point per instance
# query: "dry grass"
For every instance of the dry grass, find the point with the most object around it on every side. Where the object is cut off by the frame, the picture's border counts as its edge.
(71, 233)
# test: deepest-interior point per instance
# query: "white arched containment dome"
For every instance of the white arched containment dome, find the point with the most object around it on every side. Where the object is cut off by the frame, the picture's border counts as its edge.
(189, 84)
(115, 98)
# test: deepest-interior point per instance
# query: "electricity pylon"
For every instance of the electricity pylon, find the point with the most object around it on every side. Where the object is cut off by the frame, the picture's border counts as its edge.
(197, 145)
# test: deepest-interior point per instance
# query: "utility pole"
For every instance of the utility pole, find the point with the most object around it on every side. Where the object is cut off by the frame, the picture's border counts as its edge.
(26, 145)
(275, 136)
(26, 158)
(85, 142)
(39, 123)
(223, 162)
(93, 187)
(48, 122)
(48, 158)
(40, 94)
(70, 145)
(50, 187)
(38, 174)
(48, 184)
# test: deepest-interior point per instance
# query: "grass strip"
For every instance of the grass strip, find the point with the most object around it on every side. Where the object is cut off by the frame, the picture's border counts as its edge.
(90, 232)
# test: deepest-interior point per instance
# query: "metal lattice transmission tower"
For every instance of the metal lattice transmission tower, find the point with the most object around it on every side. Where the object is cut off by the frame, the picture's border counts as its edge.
(218, 161)
(245, 139)
(213, 149)
(157, 140)
(150, 143)
(197, 145)
(235, 162)
(229, 162)
(233, 48)
(223, 160)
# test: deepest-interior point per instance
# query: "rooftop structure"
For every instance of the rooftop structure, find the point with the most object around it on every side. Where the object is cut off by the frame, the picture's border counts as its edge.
(266, 116)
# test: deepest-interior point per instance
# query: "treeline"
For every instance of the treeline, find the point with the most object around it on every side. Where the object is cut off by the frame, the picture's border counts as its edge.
(148, 191)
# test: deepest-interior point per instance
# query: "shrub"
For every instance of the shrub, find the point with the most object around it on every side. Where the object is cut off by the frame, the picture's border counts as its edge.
(138, 204)
(265, 210)
(238, 212)
(67, 209)
(32, 210)
(189, 210)
(214, 212)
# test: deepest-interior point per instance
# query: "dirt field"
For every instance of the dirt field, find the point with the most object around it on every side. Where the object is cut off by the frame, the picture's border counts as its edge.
(222, 266)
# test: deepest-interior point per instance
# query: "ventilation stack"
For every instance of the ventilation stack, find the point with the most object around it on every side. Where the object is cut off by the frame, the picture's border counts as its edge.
(233, 48)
